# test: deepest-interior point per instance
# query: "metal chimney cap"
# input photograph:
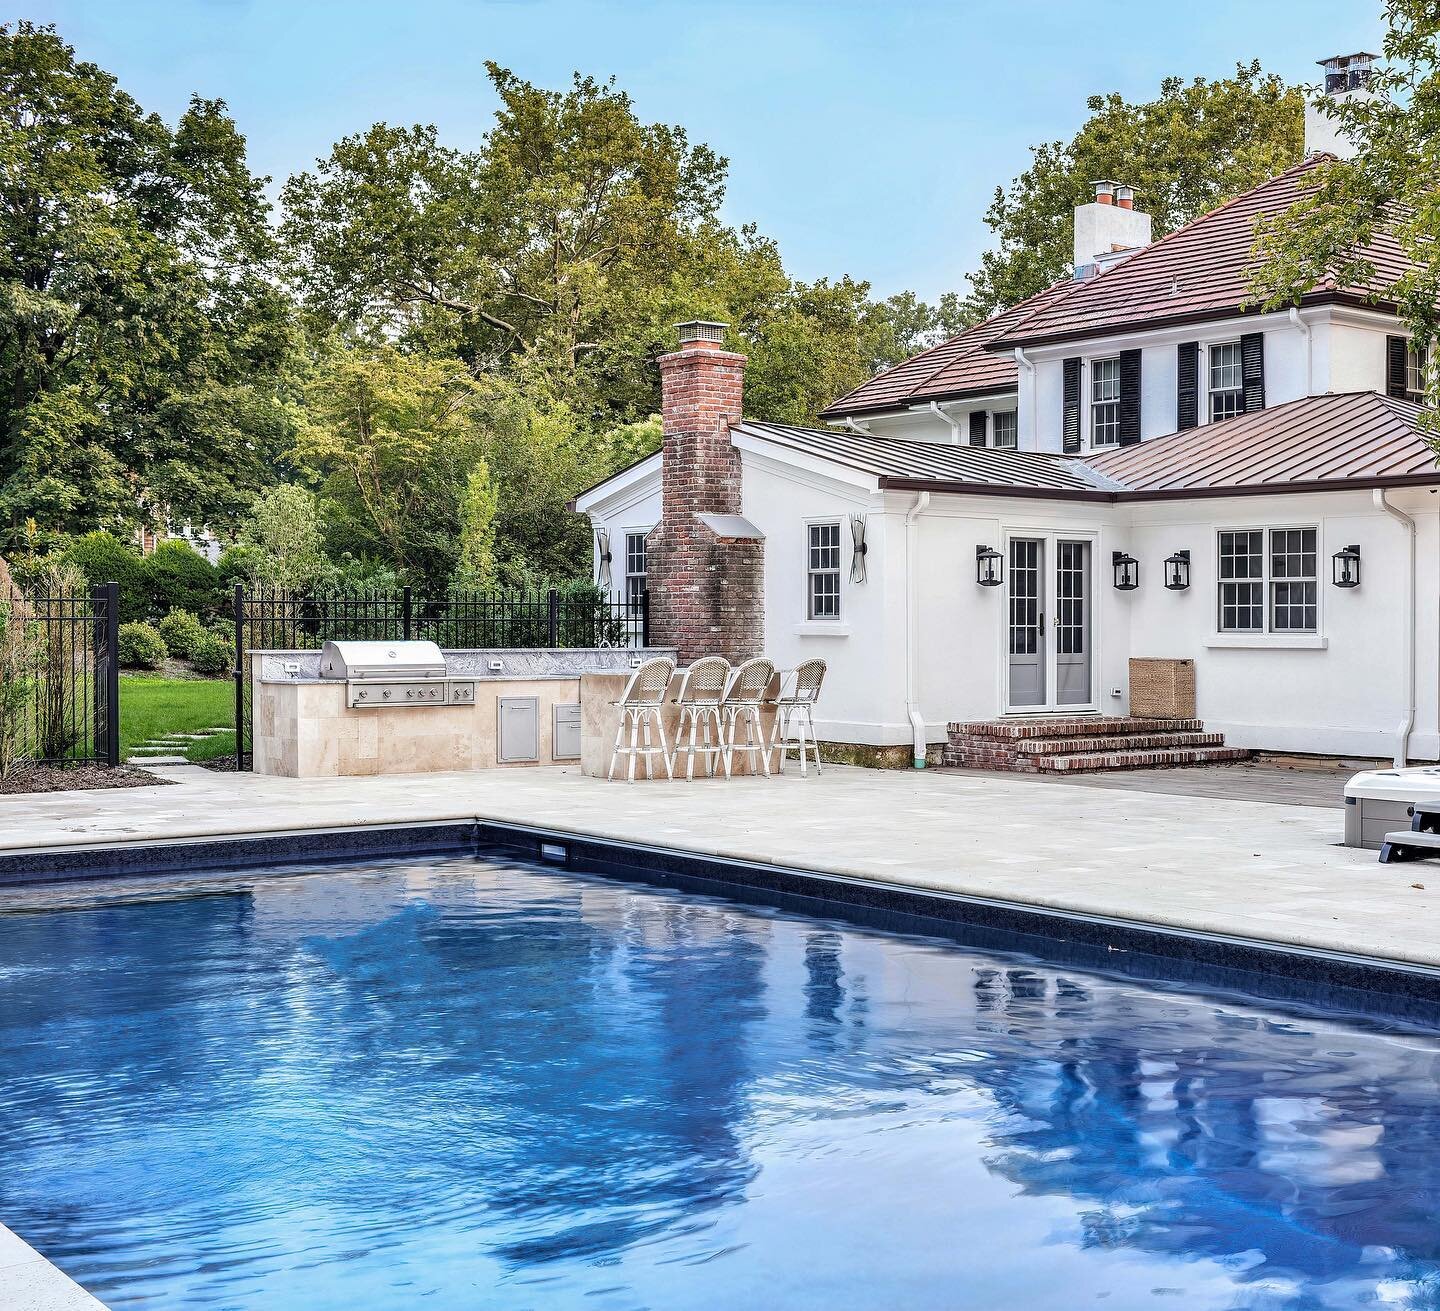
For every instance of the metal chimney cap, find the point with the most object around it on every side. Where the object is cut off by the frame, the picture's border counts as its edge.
(1360, 56)
(702, 330)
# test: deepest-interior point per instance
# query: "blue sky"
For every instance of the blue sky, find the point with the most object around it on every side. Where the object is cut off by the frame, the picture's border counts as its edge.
(866, 138)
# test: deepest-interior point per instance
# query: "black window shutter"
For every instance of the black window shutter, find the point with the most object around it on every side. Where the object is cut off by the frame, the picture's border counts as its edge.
(1252, 370)
(1187, 385)
(1396, 349)
(977, 427)
(1070, 413)
(1129, 397)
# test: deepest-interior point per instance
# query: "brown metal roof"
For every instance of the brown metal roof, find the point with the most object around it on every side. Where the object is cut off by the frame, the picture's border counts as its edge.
(1326, 440)
(893, 458)
(959, 367)
(1197, 272)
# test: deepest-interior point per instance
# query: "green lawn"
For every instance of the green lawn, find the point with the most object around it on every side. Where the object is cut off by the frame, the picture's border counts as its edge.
(152, 706)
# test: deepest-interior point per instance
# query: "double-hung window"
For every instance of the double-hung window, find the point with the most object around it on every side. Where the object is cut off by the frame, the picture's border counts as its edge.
(1416, 373)
(1105, 403)
(1227, 381)
(1267, 580)
(634, 570)
(823, 571)
(1004, 430)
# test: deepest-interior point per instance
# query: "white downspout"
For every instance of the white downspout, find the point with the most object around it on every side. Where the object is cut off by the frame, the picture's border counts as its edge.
(1304, 330)
(856, 425)
(912, 655)
(945, 418)
(1402, 733)
(1026, 366)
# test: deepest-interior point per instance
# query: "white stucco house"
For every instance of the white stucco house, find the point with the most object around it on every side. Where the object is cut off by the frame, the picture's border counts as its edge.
(1134, 463)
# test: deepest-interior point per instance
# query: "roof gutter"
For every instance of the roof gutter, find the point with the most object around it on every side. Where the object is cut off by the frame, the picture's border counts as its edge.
(960, 488)
(1407, 724)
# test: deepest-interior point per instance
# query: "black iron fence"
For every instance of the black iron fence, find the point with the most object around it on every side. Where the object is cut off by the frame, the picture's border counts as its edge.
(285, 621)
(60, 679)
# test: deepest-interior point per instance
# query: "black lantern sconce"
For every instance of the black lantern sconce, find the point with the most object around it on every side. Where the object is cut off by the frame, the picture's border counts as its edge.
(1127, 571)
(1346, 563)
(988, 566)
(1177, 571)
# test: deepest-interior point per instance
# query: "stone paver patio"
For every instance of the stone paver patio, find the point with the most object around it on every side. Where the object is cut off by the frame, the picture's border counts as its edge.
(1253, 869)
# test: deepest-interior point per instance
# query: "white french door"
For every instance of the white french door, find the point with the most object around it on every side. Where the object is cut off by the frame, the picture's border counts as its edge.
(1050, 624)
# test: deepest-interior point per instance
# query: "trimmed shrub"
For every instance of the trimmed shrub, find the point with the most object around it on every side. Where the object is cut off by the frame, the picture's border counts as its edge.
(212, 655)
(141, 647)
(181, 630)
(180, 578)
(103, 558)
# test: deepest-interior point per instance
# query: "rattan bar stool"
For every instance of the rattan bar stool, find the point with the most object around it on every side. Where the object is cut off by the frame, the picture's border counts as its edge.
(793, 719)
(743, 698)
(640, 706)
(702, 689)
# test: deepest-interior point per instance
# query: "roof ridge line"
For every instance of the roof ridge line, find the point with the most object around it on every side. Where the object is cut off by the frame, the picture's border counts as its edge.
(1308, 162)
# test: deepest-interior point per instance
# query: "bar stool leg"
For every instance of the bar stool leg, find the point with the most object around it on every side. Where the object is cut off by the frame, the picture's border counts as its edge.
(615, 750)
(664, 746)
(634, 743)
(754, 724)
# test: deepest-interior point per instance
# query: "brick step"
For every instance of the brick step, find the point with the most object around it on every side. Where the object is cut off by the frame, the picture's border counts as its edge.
(1093, 761)
(1074, 746)
(1097, 726)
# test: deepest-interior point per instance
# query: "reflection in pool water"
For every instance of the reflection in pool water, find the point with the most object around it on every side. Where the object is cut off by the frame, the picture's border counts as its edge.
(457, 1084)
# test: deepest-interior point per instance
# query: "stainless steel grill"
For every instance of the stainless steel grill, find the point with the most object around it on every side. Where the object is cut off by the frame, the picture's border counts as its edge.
(394, 674)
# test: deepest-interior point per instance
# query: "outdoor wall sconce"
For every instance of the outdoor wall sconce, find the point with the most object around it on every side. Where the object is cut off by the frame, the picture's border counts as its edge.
(860, 550)
(1347, 566)
(1177, 571)
(603, 559)
(988, 562)
(1127, 571)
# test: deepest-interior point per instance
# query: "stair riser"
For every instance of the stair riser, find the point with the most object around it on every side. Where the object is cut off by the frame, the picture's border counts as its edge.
(1024, 729)
(1070, 746)
(1140, 760)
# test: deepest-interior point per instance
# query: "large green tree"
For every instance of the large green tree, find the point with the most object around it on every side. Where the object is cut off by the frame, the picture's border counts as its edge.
(563, 251)
(142, 336)
(1194, 146)
(1393, 182)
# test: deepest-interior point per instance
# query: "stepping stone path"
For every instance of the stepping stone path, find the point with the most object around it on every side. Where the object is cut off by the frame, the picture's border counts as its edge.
(169, 748)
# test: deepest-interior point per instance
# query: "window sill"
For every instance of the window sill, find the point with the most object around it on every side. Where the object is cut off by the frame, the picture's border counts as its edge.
(822, 628)
(1268, 642)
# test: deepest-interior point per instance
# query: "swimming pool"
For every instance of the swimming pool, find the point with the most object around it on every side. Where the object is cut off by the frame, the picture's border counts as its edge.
(452, 1083)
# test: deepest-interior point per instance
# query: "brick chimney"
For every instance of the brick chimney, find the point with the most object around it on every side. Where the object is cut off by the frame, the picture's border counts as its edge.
(1108, 229)
(705, 564)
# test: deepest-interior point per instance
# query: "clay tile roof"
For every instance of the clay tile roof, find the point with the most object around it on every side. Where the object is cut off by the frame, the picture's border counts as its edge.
(891, 457)
(1354, 437)
(958, 367)
(1198, 271)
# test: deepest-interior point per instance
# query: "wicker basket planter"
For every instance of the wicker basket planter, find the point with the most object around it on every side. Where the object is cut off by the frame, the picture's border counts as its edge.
(1162, 689)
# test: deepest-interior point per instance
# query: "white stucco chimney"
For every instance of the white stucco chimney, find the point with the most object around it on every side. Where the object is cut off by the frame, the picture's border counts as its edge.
(1108, 228)
(1347, 77)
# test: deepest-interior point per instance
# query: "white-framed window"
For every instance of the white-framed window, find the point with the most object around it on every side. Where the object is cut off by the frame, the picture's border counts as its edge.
(1267, 580)
(822, 580)
(1005, 430)
(1105, 402)
(1417, 366)
(1226, 384)
(634, 569)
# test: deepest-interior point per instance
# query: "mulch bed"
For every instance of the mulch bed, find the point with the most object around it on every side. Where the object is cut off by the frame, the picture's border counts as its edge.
(77, 778)
(220, 765)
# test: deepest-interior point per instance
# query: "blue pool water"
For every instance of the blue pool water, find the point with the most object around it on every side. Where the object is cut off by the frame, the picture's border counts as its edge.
(450, 1084)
